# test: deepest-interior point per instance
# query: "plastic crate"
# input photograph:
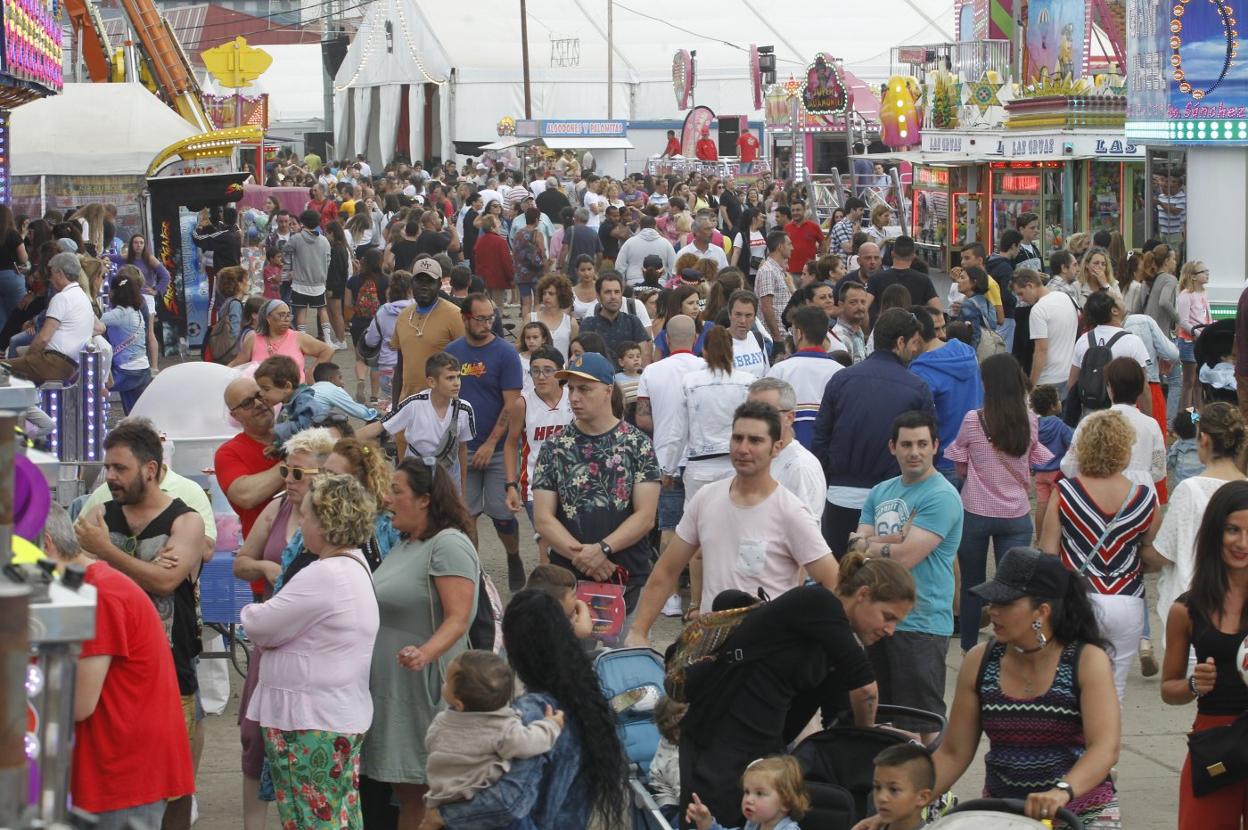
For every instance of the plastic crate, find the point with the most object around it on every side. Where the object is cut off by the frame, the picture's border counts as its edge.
(221, 594)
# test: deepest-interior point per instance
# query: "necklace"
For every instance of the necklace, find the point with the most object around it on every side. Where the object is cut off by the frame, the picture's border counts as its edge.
(1227, 15)
(420, 327)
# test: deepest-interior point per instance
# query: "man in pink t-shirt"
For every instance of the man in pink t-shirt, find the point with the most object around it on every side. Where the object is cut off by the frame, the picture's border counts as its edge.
(754, 534)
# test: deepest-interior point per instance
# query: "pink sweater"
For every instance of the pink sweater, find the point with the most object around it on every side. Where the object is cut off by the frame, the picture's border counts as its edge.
(1193, 308)
(317, 636)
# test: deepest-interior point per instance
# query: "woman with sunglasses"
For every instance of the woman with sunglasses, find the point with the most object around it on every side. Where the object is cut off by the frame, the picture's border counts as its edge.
(260, 563)
(273, 336)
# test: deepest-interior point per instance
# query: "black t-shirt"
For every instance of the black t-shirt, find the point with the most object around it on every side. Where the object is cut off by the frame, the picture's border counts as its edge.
(470, 232)
(919, 285)
(8, 251)
(433, 243)
(551, 202)
(177, 611)
(732, 206)
(610, 245)
(405, 251)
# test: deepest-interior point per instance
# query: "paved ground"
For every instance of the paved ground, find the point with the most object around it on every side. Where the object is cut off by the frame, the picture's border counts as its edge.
(1152, 753)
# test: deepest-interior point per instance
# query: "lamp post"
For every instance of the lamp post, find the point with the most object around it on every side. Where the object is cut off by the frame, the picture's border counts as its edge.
(793, 90)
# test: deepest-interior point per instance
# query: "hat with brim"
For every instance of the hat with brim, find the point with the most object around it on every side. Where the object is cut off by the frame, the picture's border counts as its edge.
(427, 268)
(1024, 572)
(589, 366)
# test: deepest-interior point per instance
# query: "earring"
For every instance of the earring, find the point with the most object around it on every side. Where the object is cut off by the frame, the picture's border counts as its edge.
(1041, 640)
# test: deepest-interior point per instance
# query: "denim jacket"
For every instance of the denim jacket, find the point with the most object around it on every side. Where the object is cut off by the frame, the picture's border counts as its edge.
(540, 793)
(785, 823)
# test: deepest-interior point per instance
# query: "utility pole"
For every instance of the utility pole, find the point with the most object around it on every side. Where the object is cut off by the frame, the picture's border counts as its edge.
(610, 57)
(524, 51)
(327, 37)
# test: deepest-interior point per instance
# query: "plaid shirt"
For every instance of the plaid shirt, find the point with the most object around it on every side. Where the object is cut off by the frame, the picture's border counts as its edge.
(772, 280)
(843, 233)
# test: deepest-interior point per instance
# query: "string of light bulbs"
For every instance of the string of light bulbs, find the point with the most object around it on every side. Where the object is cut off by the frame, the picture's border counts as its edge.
(1227, 16)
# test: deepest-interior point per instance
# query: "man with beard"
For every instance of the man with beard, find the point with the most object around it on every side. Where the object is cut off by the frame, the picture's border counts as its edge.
(850, 331)
(423, 328)
(157, 541)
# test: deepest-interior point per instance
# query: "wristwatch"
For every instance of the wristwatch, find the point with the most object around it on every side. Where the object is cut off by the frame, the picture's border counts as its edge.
(607, 550)
(1065, 787)
(511, 484)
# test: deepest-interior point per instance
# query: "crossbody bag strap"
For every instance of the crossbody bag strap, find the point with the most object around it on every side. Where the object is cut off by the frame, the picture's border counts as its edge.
(1004, 458)
(1109, 528)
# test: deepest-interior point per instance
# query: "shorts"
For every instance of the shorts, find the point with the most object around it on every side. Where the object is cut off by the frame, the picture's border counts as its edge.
(1046, 481)
(298, 300)
(672, 503)
(141, 817)
(1187, 351)
(357, 327)
(150, 301)
(487, 489)
(525, 289)
(910, 671)
(192, 713)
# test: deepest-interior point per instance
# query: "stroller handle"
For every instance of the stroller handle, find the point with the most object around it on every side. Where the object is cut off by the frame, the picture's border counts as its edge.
(1015, 806)
(935, 718)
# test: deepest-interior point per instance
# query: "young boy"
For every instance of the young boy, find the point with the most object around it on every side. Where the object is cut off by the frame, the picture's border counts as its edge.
(1056, 435)
(560, 583)
(904, 779)
(628, 361)
(303, 405)
(434, 422)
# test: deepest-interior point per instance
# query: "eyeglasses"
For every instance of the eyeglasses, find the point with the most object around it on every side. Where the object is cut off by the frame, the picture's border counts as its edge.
(255, 400)
(542, 373)
(481, 318)
(298, 472)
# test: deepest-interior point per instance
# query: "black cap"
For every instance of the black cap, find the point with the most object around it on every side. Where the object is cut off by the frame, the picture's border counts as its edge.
(652, 261)
(691, 275)
(1025, 572)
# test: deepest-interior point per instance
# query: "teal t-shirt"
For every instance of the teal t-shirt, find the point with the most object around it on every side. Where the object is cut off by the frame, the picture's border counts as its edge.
(937, 508)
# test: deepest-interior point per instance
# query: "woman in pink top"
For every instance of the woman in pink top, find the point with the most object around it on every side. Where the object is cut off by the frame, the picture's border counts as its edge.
(313, 701)
(994, 451)
(1193, 306)
(273, 336)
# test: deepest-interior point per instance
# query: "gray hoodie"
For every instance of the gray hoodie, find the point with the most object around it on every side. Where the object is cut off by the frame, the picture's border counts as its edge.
(307, 263)
(382, 329)
(635, 250)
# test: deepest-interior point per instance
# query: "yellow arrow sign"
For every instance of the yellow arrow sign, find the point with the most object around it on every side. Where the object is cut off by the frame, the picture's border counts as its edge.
(235, 64)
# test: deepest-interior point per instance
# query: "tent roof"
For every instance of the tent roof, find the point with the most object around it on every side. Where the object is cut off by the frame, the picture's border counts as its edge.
(78, 132)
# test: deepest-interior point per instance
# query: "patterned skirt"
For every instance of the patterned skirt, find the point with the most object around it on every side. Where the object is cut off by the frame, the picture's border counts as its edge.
(316, 776)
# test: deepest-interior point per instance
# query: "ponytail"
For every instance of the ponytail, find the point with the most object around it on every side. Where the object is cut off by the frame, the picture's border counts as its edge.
(884, 579)
(1073, 618)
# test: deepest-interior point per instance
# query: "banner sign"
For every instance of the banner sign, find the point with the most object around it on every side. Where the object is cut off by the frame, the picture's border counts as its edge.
(698, 119)
(756, 78)
(824, 91)
(682, 78)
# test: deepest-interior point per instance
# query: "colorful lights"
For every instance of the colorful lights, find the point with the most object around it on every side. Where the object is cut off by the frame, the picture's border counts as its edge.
(32, 42)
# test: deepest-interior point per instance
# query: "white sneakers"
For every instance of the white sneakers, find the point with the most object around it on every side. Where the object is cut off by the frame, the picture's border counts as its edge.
(672, 608)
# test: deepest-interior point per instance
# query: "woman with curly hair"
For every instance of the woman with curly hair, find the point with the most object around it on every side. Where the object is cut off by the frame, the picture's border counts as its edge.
(312, 701)
(578, 783)
(427, 592)
(1102, 525)
(554, 308)
(353, 457)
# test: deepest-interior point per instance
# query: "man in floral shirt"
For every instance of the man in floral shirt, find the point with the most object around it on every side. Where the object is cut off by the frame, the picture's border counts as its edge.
(596, 485)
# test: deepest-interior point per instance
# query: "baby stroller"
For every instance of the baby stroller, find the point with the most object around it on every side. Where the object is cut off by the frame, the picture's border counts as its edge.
(1213, 342)
(999, 814)
(838, 769)
(632, 680)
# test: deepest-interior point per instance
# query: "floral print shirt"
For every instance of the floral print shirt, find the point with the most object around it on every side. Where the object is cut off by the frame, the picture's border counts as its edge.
(593, 478)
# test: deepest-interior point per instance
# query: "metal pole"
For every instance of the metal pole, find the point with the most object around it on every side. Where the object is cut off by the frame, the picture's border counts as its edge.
(610, 57)
(524, 52)
(327, 81)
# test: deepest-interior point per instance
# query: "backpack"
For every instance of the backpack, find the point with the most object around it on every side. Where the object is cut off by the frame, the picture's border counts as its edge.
(223, 339)
(526, 251)
(1093, 393)
(485, 632)
(369, 300)
(697, 650)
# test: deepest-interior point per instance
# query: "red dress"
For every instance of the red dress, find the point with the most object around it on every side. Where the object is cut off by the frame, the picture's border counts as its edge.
(493, 258)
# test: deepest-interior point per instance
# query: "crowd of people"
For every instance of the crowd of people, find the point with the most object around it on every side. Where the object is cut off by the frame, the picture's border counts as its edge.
(704, 402)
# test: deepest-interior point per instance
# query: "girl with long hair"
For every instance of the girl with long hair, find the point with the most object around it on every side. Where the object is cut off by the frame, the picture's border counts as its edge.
(994, 452)
(683, 299)
(726, 282)
(749, 243)
(336, 281)
(126, 329)
(533, 336)
(1159, 267)
(1096, 273)
(554, 310)
(1212, 618)
(365, 294)
(1193, 309)
(12, 259)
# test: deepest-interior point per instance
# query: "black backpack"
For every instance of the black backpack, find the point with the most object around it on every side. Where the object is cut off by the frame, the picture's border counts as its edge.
(1093, 393)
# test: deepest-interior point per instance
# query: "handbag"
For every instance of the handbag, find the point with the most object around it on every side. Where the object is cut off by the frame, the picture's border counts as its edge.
(990, 342)
(1219, 756)
(606, 606)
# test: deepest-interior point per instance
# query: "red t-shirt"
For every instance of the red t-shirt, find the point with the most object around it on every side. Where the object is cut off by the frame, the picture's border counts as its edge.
(241, 456)
(747, 147)
(805, 238)
(673, 147)
(706, 150)
(134, 748)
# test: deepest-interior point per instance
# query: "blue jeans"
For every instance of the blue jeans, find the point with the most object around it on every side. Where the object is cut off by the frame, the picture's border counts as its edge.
(977, 531)
(12, 289)
(672, 504)
(1174, 390)
(1006, 330)
(130, 384)
(21, 339)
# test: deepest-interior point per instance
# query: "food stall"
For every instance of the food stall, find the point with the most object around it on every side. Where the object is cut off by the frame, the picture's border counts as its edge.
(946, 202)
(606, 140)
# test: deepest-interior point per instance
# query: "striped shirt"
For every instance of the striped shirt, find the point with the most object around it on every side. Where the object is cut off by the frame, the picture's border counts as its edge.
(1115, 567)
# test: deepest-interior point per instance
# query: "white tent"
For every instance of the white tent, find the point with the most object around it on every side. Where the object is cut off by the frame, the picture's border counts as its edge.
(93, 130)
(472, 53)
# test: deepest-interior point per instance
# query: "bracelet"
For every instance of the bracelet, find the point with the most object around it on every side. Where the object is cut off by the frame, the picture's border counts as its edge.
(1191, 684)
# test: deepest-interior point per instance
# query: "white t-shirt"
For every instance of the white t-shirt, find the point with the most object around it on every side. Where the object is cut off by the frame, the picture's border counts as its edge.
(429, 435)
(662, 384)
(71, 308)
(1148, 454)
(1055, 318)
(1177, 538)
(808, 373)
(747, 548)
(713, 252)
(799, 472)
(591, 198)
(1128, 346)
(748, 356)
(758, 246)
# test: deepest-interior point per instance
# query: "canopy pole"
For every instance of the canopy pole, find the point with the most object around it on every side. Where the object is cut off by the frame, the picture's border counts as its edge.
(524, 51)
(610, 57)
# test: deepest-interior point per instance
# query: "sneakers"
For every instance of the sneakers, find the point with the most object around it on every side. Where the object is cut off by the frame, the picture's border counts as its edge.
(1148, 660)
(515, 573)
(672, 607)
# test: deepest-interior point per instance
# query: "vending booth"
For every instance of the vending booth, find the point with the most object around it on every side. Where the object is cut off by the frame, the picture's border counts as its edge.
(946, 202)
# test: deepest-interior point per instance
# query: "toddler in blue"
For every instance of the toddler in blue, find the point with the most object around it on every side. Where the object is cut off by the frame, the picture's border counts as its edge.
(1183, 458)
(773, 797)
(305, 406)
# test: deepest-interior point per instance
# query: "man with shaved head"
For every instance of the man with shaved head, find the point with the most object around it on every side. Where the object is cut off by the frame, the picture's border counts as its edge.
(247, 476)
(870, 262)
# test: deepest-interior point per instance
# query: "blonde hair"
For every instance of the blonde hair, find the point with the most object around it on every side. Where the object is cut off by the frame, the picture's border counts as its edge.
(1085, 276)
(785, 775)
(684, 222)
(366, 465)
(343, 508)
(1104, 445)
(317, 441)
(1187, 282)
(880, 210)
(1078, 242)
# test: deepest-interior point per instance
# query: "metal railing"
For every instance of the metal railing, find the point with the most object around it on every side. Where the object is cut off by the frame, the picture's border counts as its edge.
(969, 59)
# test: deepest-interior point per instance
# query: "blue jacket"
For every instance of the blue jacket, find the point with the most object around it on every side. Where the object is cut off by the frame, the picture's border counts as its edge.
(855, 421)
(785, 823)
(952, 373)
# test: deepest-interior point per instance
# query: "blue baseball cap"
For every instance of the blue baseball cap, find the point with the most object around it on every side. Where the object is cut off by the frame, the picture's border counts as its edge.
(590, 366)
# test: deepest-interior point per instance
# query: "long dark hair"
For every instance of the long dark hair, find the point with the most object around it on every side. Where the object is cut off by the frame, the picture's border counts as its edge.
(337, 238)
(547, 657)
(675, 299)
(130, 255)
(7, 222)
(1073, 617)
(1005, 405)
(446, 508)
(1210, 580)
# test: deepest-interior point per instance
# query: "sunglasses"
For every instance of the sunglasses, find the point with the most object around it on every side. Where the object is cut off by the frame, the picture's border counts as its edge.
(255, 400)
(298, 472)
